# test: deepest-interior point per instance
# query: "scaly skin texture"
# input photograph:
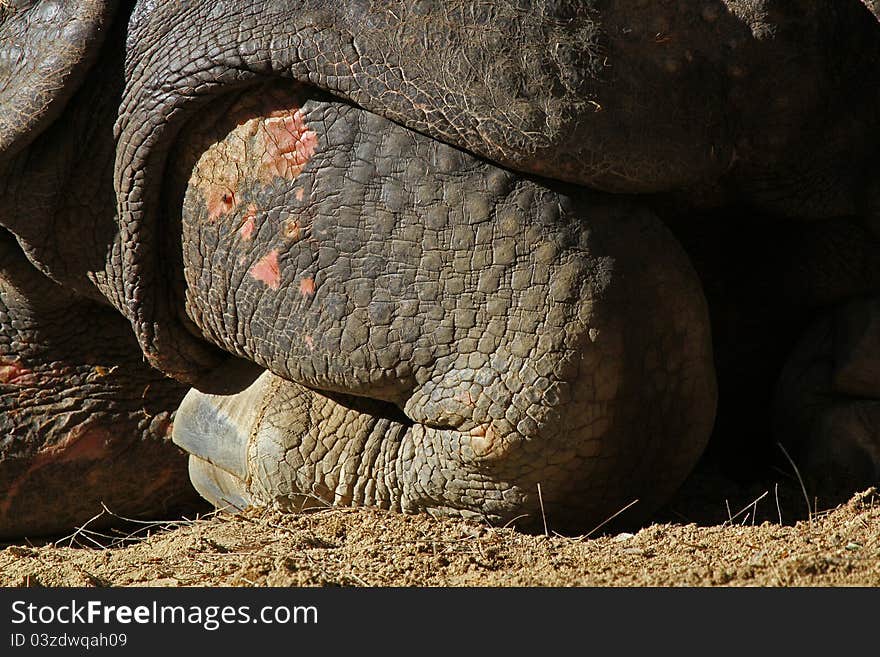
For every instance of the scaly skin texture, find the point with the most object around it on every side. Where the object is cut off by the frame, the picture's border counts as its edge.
(611, 103)
(46, 49)
(526, 336)
(82, 420)
(58, 193)
(442, 330)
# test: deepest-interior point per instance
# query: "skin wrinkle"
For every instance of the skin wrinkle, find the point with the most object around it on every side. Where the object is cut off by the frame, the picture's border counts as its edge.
(146, 245)
(84, 413)
(478, 445)
(59, 190)
(370, 291)
(46, 57)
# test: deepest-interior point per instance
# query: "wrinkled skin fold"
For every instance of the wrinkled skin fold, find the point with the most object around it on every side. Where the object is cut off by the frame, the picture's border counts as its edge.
(413, 254)
(85, 421)
(521, 334)
(483, 79)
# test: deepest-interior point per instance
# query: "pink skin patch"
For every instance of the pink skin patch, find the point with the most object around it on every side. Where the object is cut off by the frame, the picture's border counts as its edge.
(260, 149)
(310, 343)
(247, 228)
(289, 144)
(83, 443)
(11, 371)
(307, 287)
(220, 202)
(299, 194)
(266, 270)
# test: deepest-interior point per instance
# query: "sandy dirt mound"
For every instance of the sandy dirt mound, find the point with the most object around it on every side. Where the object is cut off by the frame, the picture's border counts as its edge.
(365, 547)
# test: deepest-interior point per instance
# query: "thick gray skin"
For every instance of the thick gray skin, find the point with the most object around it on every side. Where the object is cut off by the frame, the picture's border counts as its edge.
(611, 105)
(608, 308)
(489, 84)
(518, 336)
(48, 48)
(83, 420)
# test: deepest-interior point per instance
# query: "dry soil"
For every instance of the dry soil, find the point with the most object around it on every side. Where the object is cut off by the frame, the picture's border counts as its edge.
(730, 537)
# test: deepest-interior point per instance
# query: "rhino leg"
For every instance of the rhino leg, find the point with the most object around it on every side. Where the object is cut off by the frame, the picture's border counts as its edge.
(454, 335)
(82, 419)
(828, 407)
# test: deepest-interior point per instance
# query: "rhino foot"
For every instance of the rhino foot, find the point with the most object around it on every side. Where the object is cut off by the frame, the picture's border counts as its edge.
(281, 445)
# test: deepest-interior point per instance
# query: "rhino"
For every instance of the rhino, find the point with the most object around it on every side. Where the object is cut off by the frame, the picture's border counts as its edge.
(443, 257)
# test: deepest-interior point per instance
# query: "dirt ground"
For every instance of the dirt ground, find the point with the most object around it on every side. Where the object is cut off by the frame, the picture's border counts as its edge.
(712, 534)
